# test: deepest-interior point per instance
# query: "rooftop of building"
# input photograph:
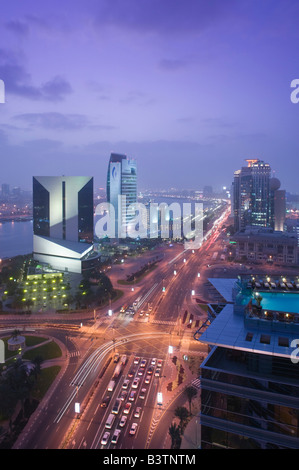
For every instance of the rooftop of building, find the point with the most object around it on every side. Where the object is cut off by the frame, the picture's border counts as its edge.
(243, 325)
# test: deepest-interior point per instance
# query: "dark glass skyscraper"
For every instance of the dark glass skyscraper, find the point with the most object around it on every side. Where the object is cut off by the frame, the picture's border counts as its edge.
(252, 195)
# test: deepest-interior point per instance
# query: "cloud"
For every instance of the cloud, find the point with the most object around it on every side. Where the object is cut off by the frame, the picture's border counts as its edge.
(59, 121)
(173, 64)
(162, 17)
(56, 89)
(18, 81)
(18, 27)
(53, 120)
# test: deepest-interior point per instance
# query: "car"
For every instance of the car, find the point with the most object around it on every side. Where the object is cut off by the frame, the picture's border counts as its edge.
(105, 438)
(159, 363)
(135, 383)
(147, 379)
(116, 357)
(132, 395)
(127, 408)
(136, 360)
(153, 361)
(115, 436)
(105, 401)
(150, 370)
(123, 421)
(137, 412)
(131, 372)
(143, 363)
(157, 372)
(133, 429)
(123, 395)
(126, 384)
(140, 371)
(116, 406)
(142, 393)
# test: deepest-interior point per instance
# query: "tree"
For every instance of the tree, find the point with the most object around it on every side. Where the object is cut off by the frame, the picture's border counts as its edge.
(182, 413)
(37, 362)
(191, 392)
(174, 432)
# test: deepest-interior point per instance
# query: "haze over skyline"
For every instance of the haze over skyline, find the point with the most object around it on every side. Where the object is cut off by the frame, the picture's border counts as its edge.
(188, 88)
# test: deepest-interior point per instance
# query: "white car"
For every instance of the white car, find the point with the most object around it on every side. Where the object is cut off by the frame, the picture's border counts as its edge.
(137, 412)
(133, 429)
(135, 383)
(123, 421)
(105, 438)
(142, 393)
(136, 360)
(126, 384)
(115, 436)
(153, 361)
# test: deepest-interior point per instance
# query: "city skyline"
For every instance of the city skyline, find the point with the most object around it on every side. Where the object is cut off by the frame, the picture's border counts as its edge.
(188, 89)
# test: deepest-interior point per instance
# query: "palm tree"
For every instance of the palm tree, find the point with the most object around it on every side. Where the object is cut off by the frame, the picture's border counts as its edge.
(37, 361)
(182, 413)
(174, 432)
(191, 392)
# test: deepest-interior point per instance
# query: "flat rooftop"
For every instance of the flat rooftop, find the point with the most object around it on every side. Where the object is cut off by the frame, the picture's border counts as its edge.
(232, 330)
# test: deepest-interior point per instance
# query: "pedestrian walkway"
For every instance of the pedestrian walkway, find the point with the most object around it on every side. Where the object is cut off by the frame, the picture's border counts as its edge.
(169, 395)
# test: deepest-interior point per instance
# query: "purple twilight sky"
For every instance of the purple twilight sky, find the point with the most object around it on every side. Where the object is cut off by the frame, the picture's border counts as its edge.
(190, 88)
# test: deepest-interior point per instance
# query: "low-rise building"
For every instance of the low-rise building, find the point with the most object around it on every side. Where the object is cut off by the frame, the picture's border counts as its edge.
(266, 245)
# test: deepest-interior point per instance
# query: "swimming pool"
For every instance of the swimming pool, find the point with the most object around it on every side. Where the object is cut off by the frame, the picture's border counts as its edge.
(280, 301)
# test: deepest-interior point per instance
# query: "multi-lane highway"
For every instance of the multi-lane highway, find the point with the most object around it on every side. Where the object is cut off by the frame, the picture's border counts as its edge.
(162, 296)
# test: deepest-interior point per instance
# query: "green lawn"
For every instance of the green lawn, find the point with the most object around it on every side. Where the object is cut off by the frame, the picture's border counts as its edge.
(44, 381)
(47, 351)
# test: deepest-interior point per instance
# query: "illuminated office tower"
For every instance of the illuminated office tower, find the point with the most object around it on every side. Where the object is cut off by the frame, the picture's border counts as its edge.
(63, 221)
(252, 195)
(122, 190)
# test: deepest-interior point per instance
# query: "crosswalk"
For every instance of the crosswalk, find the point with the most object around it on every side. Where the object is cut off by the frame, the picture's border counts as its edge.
(196, 383)
(74, 353)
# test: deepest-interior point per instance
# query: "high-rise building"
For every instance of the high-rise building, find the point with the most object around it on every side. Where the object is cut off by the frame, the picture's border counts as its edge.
(122, 190)
(5, 190)
(249, 380)
(63, 221)
(278, 201)
(256, 201)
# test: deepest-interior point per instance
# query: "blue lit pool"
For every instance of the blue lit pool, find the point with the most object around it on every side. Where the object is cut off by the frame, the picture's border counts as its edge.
(280, 301)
